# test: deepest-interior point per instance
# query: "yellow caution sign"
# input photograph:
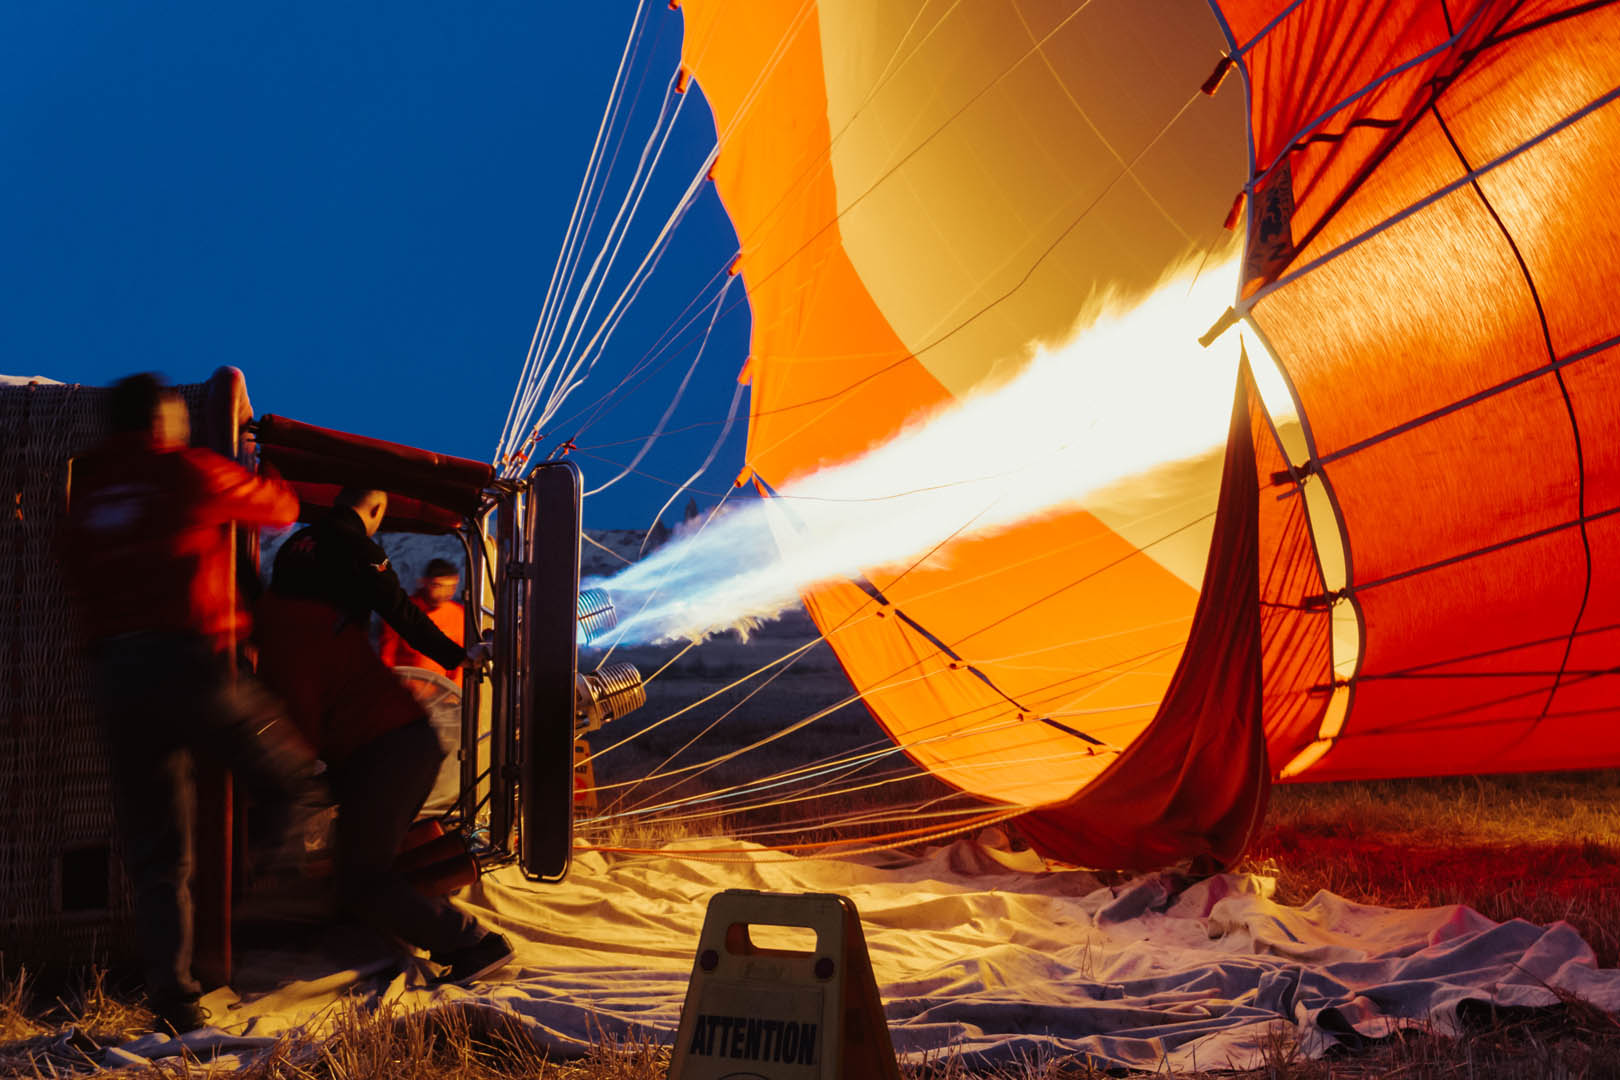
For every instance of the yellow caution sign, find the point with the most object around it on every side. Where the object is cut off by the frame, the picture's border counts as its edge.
(760, 1013)
(584, 780)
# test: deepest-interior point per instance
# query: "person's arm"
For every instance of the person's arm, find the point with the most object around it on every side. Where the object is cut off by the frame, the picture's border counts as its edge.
(413, 624)
(235, 494)
(389, 646)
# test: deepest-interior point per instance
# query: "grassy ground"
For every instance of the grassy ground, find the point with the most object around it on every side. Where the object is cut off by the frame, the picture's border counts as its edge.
(1541, 848)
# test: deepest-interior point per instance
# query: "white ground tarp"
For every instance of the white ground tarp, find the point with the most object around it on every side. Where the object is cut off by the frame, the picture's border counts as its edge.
(979, 952)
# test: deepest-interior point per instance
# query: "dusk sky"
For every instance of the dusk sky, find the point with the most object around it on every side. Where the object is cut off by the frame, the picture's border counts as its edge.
(360, 206)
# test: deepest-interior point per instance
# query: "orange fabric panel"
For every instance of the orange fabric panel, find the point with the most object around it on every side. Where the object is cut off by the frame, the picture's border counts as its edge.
(1317, 55)
(1296, 636)
(1046, 615)
(1195, 783)
(830, 379)
(1455, 370)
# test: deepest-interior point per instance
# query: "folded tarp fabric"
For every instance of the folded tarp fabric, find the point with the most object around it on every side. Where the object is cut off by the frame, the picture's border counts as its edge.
(979, 952)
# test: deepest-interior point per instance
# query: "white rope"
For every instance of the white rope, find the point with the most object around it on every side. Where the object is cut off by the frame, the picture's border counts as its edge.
(769, 69)
(680, 392)
(688, 317)
(585, 536)
(553, 355)
(890, 747)
(531, 391)
(595, 348)
(725, 431)
(646, 162)
(701, 701)
(586, 183)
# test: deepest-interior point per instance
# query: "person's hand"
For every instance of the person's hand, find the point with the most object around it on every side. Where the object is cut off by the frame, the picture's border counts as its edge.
(478, 655)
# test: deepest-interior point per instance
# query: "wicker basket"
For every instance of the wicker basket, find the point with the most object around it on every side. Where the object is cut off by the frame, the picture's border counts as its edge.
(63, 898)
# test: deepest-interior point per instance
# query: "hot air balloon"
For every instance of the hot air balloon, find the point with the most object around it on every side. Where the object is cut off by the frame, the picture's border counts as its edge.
(1420, 196)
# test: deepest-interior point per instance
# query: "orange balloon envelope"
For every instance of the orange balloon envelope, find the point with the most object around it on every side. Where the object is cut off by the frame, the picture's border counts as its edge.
(921, 191)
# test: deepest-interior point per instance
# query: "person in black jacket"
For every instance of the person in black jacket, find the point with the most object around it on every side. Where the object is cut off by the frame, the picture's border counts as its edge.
(381, 751)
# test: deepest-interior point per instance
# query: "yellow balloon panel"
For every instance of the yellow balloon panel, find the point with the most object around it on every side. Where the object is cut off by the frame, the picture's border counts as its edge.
(924, 193)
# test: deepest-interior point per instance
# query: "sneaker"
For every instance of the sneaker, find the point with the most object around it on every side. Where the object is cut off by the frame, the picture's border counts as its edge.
(178, 1016)
(489, 953)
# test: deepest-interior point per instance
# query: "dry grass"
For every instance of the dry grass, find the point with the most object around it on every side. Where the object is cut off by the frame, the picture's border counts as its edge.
(360, 1042)
(1540, 847)
(40, 1036)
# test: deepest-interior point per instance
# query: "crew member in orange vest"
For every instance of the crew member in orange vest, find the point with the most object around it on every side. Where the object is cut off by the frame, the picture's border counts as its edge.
(434, 595)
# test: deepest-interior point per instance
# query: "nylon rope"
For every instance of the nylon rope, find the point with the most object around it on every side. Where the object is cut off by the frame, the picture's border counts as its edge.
(579, 200)
(619, 146)
(637, 281)
(658, 132)
(645, 366)
(778, 53)
(574, 250)
(558, 356)
(585, 536)
(618, 231)
(890, 746)
(860, 615)
(751, 788)
(708, 460)
(995, 724)
(826, 823)
(893, 840)
(820, 824)
(680, 392)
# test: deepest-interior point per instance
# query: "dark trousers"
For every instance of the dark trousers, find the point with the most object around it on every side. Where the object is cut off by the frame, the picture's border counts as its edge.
(380, 788)
(161, 698)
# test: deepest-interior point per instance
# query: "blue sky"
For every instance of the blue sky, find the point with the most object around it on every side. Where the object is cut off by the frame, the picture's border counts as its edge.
(359, 204)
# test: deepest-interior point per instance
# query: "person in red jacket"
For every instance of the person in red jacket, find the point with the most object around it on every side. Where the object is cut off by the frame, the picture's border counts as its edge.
(435, 595)
(381, 752)
(147, 553)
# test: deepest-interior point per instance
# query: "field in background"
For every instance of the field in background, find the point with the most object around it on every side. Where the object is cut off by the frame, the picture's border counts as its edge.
(1538, 847)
